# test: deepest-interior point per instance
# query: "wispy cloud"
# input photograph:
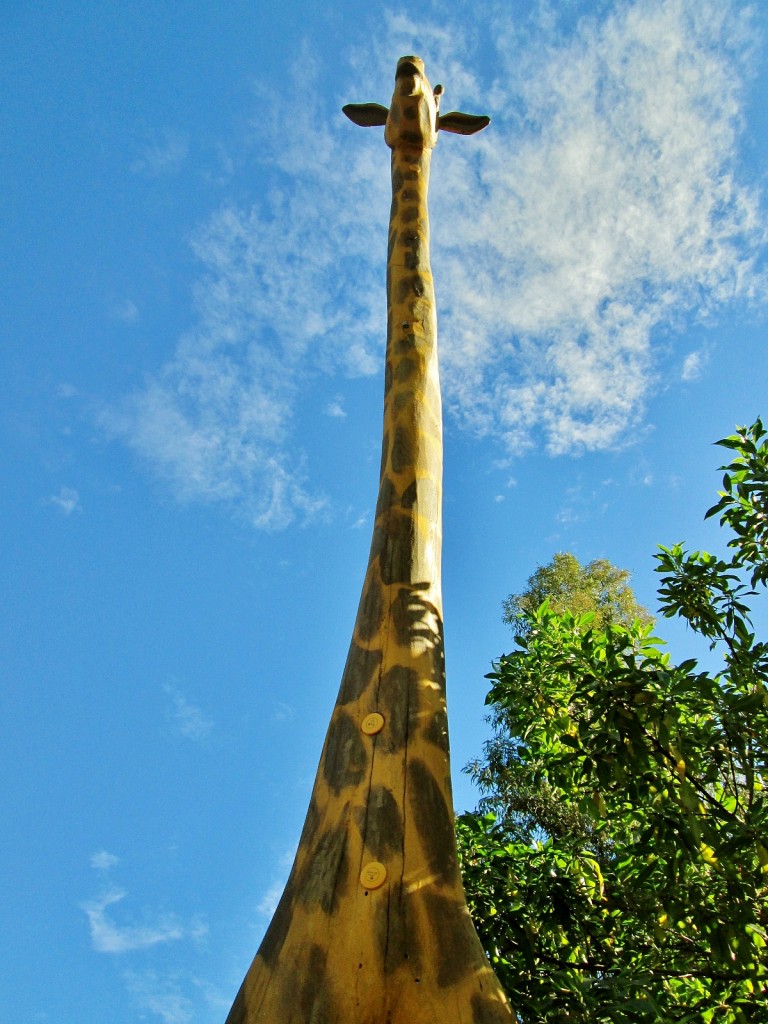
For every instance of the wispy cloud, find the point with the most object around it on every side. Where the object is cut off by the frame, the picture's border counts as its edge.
(163, 157)
(282, 712)
(603, 208)
(125, 310)
(103, 861)
(581, 503)
(188, 719)
(66, 501)
(216, 422)
(161, 996)
(177, 997)
(611, 213)
(109, 937)
(693, 365)
(335, 409)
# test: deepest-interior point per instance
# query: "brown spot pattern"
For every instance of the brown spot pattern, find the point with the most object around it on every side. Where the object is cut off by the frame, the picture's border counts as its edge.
(409, 495)
(315, 999)
(325, 873)
(346, 758)
(405, 370)
(397, 540)
(451, 937)
(362, 665)
(384, 457)
(434, 820)
(371, 610)
(387, 496)
(413, 284)
(273, 941)
(424, 934)
(384, 825)
(399, 703)
(436, 729)
(402, 450)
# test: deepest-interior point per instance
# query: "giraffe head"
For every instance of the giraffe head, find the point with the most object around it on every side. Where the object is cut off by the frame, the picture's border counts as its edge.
(413, 118)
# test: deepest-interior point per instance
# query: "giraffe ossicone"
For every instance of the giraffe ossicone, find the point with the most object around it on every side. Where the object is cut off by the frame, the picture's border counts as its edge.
(373, 926)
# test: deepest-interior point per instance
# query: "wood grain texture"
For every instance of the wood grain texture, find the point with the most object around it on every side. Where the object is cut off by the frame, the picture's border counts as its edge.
(403, 950)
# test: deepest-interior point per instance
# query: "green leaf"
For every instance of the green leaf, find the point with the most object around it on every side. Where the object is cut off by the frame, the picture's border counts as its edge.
(617, 870)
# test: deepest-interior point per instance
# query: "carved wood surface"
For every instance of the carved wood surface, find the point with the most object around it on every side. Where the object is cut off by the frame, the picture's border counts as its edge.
(373, 927)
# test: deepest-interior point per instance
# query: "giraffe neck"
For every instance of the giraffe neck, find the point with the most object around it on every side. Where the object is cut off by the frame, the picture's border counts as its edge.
(409, 509)
(373, 927)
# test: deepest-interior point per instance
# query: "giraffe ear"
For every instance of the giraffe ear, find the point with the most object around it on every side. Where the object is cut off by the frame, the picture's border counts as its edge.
(462, 124)
(367, 115)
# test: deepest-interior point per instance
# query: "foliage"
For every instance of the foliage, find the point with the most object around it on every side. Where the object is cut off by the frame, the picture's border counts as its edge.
(598, 587)
(617, 870)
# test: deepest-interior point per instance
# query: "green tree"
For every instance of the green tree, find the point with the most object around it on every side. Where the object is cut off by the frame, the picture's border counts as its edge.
(638, 891)
(599, 587)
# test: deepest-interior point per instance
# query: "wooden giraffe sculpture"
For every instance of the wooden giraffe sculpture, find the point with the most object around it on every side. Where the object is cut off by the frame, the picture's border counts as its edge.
(373, 926)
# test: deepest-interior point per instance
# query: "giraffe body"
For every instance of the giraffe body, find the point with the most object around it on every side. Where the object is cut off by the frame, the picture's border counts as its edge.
(373, 927)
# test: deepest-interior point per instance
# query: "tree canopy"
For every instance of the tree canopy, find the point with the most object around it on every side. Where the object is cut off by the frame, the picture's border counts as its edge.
(599, 587)
(617, 867)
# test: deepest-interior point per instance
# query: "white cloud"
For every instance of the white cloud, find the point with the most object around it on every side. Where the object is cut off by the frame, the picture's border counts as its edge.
(603, 208)
(187, 718)
(109, 937)
(282, 712)
(335, 409)
(165, 157)
(693, 365)
(103, 861)
(613, 213)
(177, 997)
(125, 310)
(66, 501)
(161, 996)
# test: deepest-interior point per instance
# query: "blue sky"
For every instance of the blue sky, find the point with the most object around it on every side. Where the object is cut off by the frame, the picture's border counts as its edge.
(190, 403)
